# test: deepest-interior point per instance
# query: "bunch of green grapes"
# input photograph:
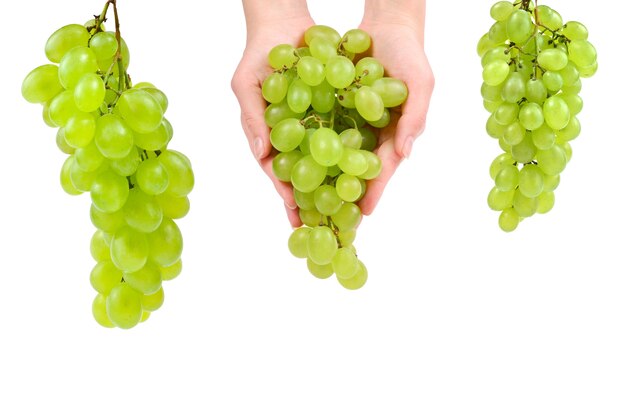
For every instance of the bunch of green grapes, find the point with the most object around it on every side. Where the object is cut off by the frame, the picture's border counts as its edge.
(117, 140)
(324, 99)
(532, 69)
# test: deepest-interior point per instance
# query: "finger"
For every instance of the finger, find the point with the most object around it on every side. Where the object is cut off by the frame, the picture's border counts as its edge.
(247, 89)
(293, 216)
(413, 119)
(390, 162)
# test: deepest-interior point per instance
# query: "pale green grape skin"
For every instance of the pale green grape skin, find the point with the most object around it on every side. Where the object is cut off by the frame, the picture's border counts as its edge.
(369, 70)
(357, 281)
(519, 26)
(324, 32)
(495, 72)
(499, 200)
(548, 17)
(570, 132)
(75, 63)
(311, 218)
(574, 103)
(321, 245)
(484, 45)
(171, 272)
(154, 140)
(523, 205)
(499, 163)
(123, 306)
(570, 74)
(536, 91)
(311, 71)
(514, 88)
(62, 108)
(552, 59)
(113, 136)
(575, 31)
(287, 135)
(142, 211)
(556, 113)
(140, 110)
(497, 33)
(152, 176)
(126, 166)
(351, 138)
(107, 222)
(322, 49)
(347, 217)
(530, 181)
(493, 128)
(89, 157)
(109, 191)
(369, 104)
(299, 96)
(99, 247)
(509, 220)
(64, 39)
(531, 116)
(98, 309)
(166, 243)
(501, 10)
(181, 179)
(513, 133)
(174, 207)
(307, 174)
(283, 163)
(327, 201)
(319, 271)
(326, 147)
(543, 137)
(552, 80)
(506, 113)
(524, 152)
(582, 53)
(304, 201)
(89, 93)
(323, 97)
(274, 88)
(41, 84)
(392, 91)
(80, 129)
(104, 277)
(146, 280)
(545, 202)
(344, 263)
(82, 180)
(298, 242)
(499, 53)
(348, 187)
(282, 55)
(340, 72)
(346, 97)
(129, 249)
(356, 41)
(154, 301)
(103, 45)
(158, 95)
(508, 178)
(346, 238)
(374, 165)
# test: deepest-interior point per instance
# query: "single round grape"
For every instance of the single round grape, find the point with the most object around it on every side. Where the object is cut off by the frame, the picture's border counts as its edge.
(166, 243)
(282, 56)
(552, 59)
(287, 135)
(181, 179)
(501, 10)
(552, 80)
(543, 137)
(154, 140)
(500, 200)
(142, 211)
(346, 97)
(311, 71)
(274, 88)
(322, 49)
(319, 271)
(356, 41)
(140, 110)
(108, 222)
(174, 207)
(299, 96)
(508, 178)
(345, 264)
(62, 108)
(531, 116)
(129, 249)
(497, 33)
(80, 129)
(154, 301)
(340, 72)
(89, 92)
(152, 177)
(171, 272)
(89, 157)
(348, 187)
(298, 242)
(126, 166)
(574, 103)
(123, 306)
(582, 53)
(310, 218)
(75, 64)
(347, 237)
(104, 277)
(493, 128)
(575, 31)
(326, 147)
(498, 53)
(283, 163)
(524, 152)
(304, 200)
(41, 84)
(324, 32)
(81, 179)
(369, 104)
(109, 191)
(347, 217)
(506, 113)
(523, 205)
(548, 17)
(374, 165)
(64, 39)
(571, 131)
(552, 161)
(536, 91)
(98, 309)
(103, 45)
(113, 136)
(327, 201)
(351, 138)
(484, 45)
(519, 26)
(307, 174)
(357, 281)
(321, 245)
(514, 88)
(99, 246)
(495, 72)
(368, 70)
(509, 219)
(146, 280)
(530, 180)
(323, 97)
(392, 91)
(556, 113)
(545, 202)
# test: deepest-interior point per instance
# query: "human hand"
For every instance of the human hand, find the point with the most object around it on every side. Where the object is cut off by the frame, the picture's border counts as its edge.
(266, 29)
(397, 42)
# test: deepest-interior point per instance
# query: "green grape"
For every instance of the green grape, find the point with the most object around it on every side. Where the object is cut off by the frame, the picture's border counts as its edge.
(123, 306)
(575, 31)
(82, 180)
(142, 211)
(146, 280)
(321, 245)
(357, 281)
(319, 271)
(98, 309)
(392, 91)
(113, 136)
(80, 129)
(531, 116)
(545, 202)
(89, 93)
(530, 181)
(509, 219)
(104, 277)
(282, 56)
(523, 205)
(552, 59)
(525, 150)
(41, 84)
(327, 201)
(346, 238)
(287, 134)
(140, 110)
(500, 200)
(374, 165)
(311, 71)
(556, 113)
(62, 108)
(109, 191)
(299, 96)
(552, 80)
(110, 66)
(307, 174)
(543, 137)
(344, 263)
(369, 104)
(103, 45)
(574, 103)
(89, 157)
(501, 10)
(582, 53)
(153, 302)
(514, 88)
(323, 50)
(64, 39)
(368, 70)
(506, 113)
(346, 97)
(174, 207)
(536, 91)
(166, 243)
(154, 140)
(493, 128)
(180, 175)
(571, 131)
(347, 217)
(108, 222)
(356, 41)
(552, 161)
(171, 272)
(323, 97)
(495, 72)
(353, 162)
(499, 163)
(129, 249)
(126, 166)
(548, 17)
(274, 88)
(508, 178)
(351, 138)
(519, 26)
(76, 63)
(340, 72)
(484, 45)
(348, 187)
(323, 32)
(497, 33)
(99, 246)
(152, 176)
(305, 145)
(303, 51)
(491, 93)
(304, 201)
(310, 218)
(283, 163)
(298, 242)
(499, 53)
(550, 182)
(570, 74)
(158, 95)
(326, 147)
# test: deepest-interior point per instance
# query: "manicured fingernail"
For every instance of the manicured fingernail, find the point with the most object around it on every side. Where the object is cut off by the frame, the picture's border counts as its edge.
(408, 145)
(258, 148)
(291, 206)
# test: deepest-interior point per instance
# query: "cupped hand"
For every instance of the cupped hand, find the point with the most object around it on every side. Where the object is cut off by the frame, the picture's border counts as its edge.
(399, 47)
(246, 84)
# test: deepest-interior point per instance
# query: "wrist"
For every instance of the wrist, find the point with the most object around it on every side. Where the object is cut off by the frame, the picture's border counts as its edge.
(260, 14)
(395, 12)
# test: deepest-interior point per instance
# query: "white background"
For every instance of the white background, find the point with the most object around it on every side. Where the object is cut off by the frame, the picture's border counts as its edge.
(458, 319)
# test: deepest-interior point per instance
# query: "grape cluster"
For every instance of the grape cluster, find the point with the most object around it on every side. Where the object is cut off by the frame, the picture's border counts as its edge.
(117, 141)
(532, 69)
(325, 101)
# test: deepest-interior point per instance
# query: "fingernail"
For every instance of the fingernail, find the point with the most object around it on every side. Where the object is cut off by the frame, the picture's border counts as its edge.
(408, 146)
(291, 206)
(258, 148)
